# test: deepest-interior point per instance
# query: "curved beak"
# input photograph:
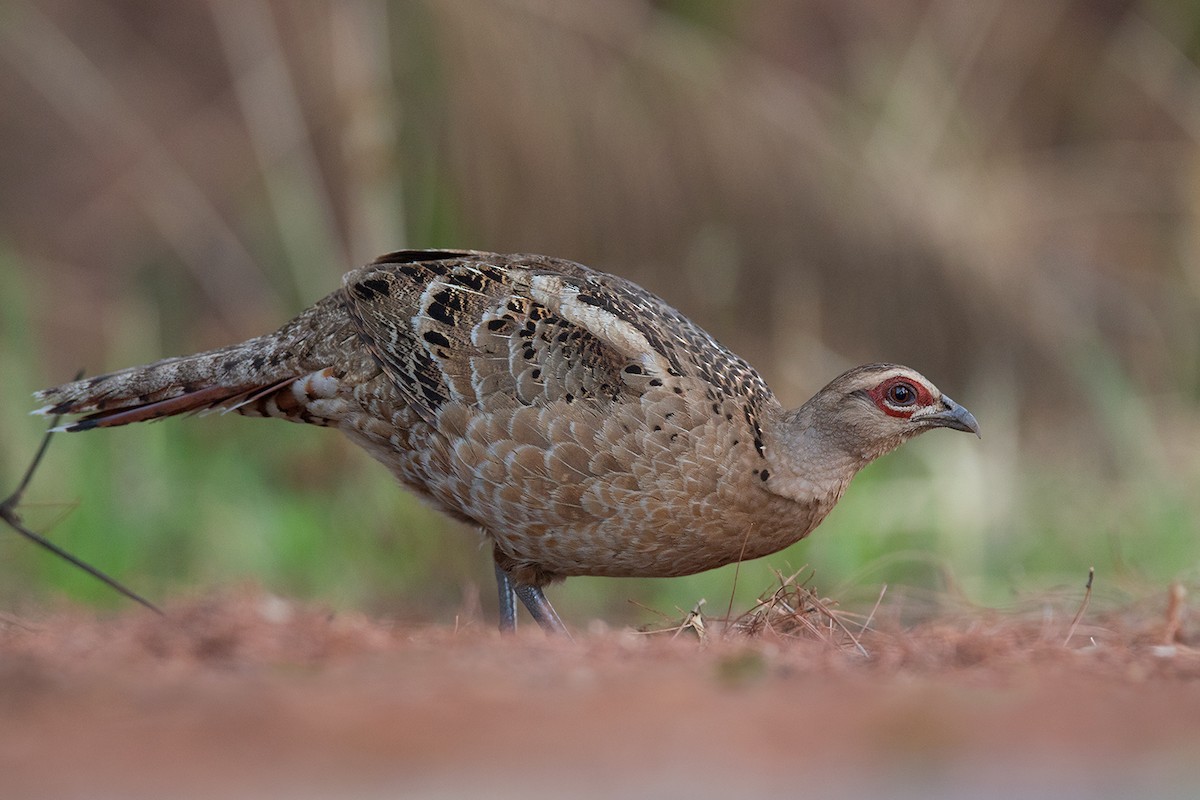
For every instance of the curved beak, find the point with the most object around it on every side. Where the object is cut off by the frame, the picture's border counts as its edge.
(952, 416)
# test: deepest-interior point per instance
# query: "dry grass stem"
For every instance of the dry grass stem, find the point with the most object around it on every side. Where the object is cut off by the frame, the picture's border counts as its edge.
(1087, 596)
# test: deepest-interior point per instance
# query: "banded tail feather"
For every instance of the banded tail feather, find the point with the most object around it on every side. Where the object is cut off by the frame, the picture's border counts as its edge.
(239, 378)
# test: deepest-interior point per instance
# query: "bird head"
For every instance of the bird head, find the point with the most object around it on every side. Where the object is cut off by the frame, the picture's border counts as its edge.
(860, 415)
(872, 409)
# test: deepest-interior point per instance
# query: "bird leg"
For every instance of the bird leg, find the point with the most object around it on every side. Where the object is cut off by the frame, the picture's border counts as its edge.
(541, 610)
(508, 601)
(532, 598)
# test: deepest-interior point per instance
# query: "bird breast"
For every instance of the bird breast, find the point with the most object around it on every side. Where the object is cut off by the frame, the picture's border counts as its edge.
(661, 487)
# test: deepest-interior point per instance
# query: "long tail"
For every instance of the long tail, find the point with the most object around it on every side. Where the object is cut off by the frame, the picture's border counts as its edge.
(228, 379)
(286, 374)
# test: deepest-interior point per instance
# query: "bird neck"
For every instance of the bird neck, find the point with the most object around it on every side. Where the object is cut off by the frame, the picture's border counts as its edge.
(808, 461)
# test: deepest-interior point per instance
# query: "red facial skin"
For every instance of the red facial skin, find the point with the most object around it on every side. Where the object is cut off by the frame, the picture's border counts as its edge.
(879, 396)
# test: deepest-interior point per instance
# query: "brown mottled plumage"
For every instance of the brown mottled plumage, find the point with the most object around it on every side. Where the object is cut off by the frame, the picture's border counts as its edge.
(585, 425)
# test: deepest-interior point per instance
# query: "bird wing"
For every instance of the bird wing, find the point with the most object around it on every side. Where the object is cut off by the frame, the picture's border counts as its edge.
(493, 331)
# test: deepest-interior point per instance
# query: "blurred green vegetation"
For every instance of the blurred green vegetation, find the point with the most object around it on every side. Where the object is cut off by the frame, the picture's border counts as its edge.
(1004, 198)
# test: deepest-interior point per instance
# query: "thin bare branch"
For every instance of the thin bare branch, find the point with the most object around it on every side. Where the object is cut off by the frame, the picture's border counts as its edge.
(1087, 597)
(9, 513)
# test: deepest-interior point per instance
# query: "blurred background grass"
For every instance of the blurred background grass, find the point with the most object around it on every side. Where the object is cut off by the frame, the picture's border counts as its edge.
(1003, 195)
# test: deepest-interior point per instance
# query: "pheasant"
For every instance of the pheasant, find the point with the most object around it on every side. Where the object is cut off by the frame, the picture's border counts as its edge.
(587, 427)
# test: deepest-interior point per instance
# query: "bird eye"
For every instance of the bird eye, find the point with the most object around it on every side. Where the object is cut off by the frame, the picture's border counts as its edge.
(902, 394)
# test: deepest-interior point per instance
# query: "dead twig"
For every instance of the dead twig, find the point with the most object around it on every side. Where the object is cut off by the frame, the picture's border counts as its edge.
(867, 624)
(9, 513)
(737, 570)
(694, 620)
(791, 605)
(1176, 596)
(1087, 597)
(833, 618)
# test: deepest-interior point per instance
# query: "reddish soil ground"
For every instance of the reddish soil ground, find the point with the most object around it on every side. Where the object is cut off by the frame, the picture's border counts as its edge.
(245, 695)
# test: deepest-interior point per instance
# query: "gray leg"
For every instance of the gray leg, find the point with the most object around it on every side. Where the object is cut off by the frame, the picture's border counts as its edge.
(508, 601)
(543, 613)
